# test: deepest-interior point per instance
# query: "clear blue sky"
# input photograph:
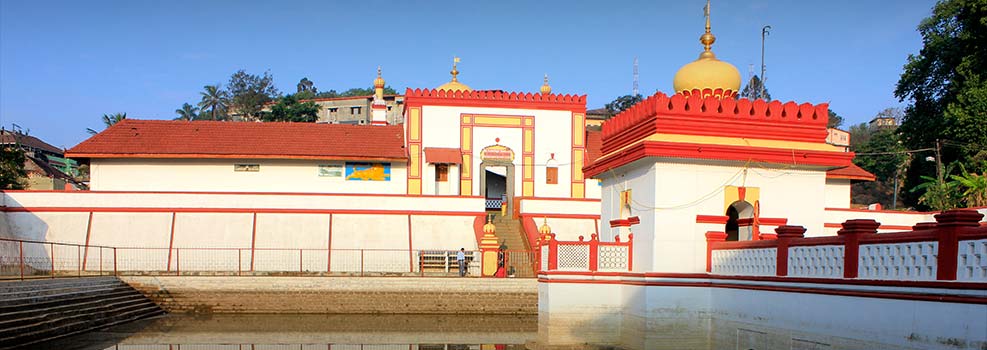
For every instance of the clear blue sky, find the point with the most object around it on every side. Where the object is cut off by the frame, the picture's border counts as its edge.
(65, 63)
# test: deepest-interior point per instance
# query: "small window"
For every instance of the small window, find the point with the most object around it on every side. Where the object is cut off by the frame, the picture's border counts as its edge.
(246, 167)
(330, 170)
(441, 172)
(354, 110)
(389, 108)
(333, 110)
(552, 175)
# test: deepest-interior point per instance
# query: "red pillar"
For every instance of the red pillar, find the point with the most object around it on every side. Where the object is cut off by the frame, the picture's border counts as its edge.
(553, 253)
(851, 232)
(712, 237)
(594, 252)
(785, 235)
(948, 226)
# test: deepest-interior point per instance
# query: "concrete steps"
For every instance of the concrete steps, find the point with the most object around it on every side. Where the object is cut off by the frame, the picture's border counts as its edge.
(510, 232)
(41, 310)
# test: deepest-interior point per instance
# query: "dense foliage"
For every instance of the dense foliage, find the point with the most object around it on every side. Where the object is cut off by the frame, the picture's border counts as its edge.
(12, 174)
(755, 89)
(289, 109)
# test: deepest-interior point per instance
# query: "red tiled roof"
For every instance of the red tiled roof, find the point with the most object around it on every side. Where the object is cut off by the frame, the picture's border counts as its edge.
(594, 142)
(443, 155)
(10, 137)
(133, 138)
(852, 172)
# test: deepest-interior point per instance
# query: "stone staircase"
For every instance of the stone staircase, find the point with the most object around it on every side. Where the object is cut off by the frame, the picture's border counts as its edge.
(509, 232)
(41, 310)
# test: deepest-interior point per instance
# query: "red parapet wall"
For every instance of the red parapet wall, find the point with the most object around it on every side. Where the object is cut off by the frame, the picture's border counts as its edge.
(679, 114)
(496, 99)
(930, 251)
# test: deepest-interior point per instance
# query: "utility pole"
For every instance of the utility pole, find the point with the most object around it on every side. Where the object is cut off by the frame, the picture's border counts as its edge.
(764, 32)
(634, 89)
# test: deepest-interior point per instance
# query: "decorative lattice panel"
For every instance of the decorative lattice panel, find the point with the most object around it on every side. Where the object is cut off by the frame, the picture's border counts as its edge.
(544, 258)
(824, 261)
(573, 257)
(612, 258)
(898, 261)
(972, 261)
(745, 262)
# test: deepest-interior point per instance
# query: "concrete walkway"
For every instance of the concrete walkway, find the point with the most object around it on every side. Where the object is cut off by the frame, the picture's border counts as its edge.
(346, 295)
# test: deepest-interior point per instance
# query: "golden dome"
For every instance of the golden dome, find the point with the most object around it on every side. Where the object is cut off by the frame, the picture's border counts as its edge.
(489, 228)
(545, 88)
(545, 229)
(707, 72)
(379, 82)
(454, 84)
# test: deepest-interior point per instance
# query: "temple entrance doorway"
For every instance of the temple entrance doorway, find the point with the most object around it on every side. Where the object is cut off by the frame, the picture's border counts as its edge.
(497, 183)
(740, 221)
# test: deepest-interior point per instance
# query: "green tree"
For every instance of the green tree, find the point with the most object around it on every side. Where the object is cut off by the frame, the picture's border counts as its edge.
(974, 187)
(366, 92)
(946, 87)
(187, 112)
(859, 135)
(288, 109)
(835, 120)
(12, 173)
(755, 89)
(306, 85)
(248, 93)
(936, 193)
(327, 94)
(214, 102)
(622, 103)
(882, 154)
(109, 120)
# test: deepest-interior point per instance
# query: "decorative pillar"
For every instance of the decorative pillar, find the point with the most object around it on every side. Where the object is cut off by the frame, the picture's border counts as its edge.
(547, 237)
(488, 249)
(785, 234)
(594, 251)
(712, 237)
(851, 232)
(948, 226)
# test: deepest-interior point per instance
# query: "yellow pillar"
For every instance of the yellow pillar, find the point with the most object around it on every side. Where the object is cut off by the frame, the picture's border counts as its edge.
(488, 248)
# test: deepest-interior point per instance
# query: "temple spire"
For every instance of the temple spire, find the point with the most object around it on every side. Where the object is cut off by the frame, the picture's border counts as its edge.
(707, 38)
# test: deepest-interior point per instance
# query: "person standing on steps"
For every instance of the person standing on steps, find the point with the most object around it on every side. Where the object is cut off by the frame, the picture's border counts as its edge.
(461, 259)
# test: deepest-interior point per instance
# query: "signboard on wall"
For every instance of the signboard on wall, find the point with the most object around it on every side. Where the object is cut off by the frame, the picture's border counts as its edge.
(330, 170)
(368, 171)
(497, 153)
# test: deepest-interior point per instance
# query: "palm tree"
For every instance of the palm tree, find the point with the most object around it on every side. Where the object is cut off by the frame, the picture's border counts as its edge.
(974, 187)
(215, 101)
(109, 120)
(187, 112)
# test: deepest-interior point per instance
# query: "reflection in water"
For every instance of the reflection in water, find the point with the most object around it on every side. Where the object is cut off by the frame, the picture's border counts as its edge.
(312, 332)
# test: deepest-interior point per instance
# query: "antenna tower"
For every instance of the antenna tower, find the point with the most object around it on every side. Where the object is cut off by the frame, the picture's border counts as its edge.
(635, 89)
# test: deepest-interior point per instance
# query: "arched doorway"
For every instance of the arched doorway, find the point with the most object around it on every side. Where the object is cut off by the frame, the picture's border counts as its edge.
(740, 221)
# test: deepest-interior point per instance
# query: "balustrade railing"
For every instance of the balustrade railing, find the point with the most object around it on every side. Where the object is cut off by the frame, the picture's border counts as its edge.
(954, 248)
(24, 259)
(582, 255)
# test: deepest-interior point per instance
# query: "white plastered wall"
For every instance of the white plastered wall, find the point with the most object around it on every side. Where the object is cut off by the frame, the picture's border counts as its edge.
(837, 193)
(552, 134)
(218, 175)
(641, 178)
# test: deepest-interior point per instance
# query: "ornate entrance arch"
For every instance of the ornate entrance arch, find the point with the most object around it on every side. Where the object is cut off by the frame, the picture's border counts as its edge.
(498, 156)
(740, 221)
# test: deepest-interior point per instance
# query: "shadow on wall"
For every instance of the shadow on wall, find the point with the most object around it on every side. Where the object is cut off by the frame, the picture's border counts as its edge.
(35, 256)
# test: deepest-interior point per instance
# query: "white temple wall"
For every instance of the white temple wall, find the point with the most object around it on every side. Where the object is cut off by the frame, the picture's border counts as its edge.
(226, 220)
(275, 175)
(552, 134)
(640, 176)
(837, 193)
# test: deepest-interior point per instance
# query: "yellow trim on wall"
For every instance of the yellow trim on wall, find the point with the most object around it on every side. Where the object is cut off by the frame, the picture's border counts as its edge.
(495, 120)
(466, 187)
(578, 190)
(577, 165)
(578, 130)
(740, 141)
(414, 152)
(528, 188)
(414, 186)
(466, 144)
(414, 121)
(529, 140)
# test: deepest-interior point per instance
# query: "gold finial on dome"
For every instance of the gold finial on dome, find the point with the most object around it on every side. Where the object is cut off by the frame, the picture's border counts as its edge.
(379, 87)
(454, 84)
(379, 82)
(707, 76)
(545, 229)
(489, 228)
(545, 88)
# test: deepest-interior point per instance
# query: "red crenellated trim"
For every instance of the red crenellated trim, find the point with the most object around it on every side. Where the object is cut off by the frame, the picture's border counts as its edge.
(716, 152)
(679, 114)
(494, 99)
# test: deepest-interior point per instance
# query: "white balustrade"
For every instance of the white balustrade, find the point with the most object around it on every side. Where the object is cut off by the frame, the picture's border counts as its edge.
(821, 261)
(971, 261)
(745, 262)
(573, 257)
(913, 261)
(612, 258)
(543, 260)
